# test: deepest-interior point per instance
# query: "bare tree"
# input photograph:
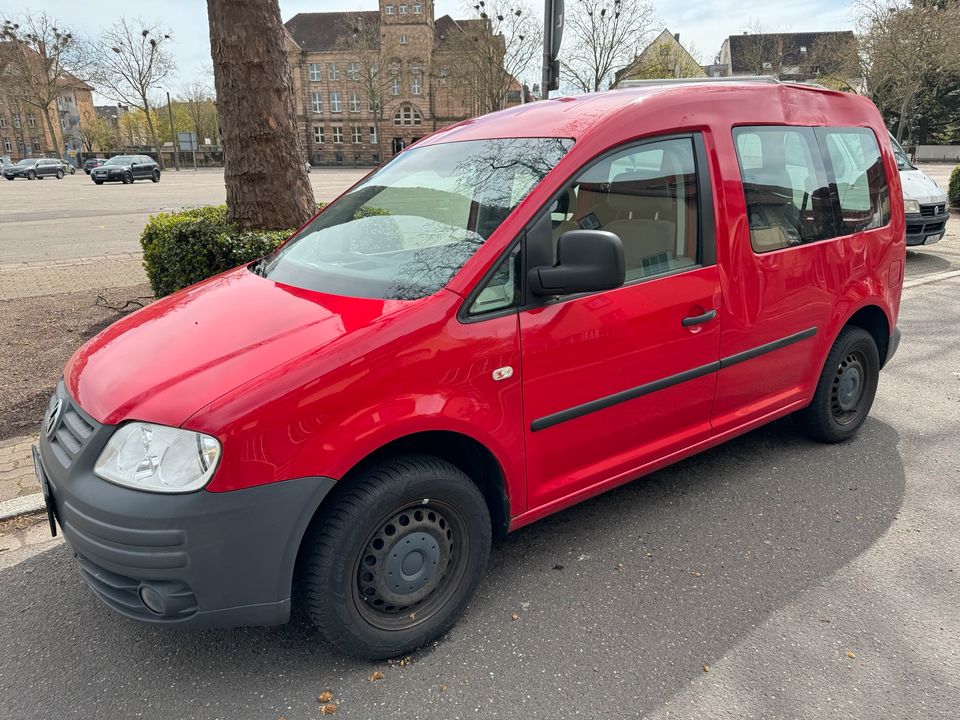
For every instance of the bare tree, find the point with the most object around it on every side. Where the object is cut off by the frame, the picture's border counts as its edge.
(906, 46)
(373, 55)
(267, 184)
(100, 134)
(43, 59)
(665, 58)
(602, 36)
(133, 62)
(198, 98)
(761, 50)
(499, 45)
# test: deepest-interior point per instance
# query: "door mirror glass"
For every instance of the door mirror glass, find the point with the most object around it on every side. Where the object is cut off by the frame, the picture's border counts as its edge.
(587, 261)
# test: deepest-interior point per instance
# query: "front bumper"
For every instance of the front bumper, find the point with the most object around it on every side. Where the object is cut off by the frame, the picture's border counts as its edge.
(928, 228)
(204, 559)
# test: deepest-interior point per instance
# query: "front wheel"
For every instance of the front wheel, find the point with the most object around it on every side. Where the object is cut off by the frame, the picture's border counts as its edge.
(31, 175)
(98, 182)
(59, 174)
(127, 178)
(393, 561)
(846, 389)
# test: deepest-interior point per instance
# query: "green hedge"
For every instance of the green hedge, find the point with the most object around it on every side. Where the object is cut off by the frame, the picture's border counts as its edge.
(953, 191)
(183, 248)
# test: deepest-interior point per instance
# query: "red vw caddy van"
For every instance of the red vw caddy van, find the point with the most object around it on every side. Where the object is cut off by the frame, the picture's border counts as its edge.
(517, 313)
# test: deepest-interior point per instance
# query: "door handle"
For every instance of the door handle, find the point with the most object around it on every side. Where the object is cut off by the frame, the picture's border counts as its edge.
(699, 319)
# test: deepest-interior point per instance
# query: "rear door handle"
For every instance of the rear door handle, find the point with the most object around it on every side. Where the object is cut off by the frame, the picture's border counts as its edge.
(699, 319)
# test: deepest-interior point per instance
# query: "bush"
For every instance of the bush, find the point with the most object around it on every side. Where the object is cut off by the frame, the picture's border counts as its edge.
(953, 190)
(183, 248)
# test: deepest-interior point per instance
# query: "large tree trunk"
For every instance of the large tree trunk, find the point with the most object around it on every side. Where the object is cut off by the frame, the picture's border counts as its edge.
(55, 148)
(267, 185)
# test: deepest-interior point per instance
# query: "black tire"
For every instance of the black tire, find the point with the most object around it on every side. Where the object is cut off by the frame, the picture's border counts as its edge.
(8, 177)
(31, 175)
(419, 503)
(156, 176)
(98, 182)
(59, 174)
(127, 178)
(845, 390)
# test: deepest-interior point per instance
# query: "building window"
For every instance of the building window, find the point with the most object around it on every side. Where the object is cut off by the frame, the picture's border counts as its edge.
(32, 120)
(415, 85)
(417, 9)
(318, 135)
(395, 67)
(403, 9)
(373, 134)
(314, 72)
(395, 86)
(3, 121)
(316, 100)
(16, 121)
(63, 123)
(444, 73)
(407, 114)
(356, 135)
(335, 101)
(36, 145)
(416, 67)
(388, 9)
(354, 102)
(333, 72)
(403, 40)
(7, 146)
(337, 134)
(353, 71)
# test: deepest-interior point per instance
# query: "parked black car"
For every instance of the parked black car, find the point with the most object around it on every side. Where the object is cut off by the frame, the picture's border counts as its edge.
(92, 163)
(35, 168)
(126, 169)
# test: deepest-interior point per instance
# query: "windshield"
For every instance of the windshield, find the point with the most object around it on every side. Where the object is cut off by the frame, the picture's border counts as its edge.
(903, 160)
(408, 228)
(27, 161)
(119, 160)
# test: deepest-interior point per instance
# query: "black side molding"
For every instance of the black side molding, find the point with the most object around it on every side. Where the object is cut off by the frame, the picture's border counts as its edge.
(669, 381)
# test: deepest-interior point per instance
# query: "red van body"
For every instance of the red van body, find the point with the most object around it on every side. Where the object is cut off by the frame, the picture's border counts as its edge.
(540, 406)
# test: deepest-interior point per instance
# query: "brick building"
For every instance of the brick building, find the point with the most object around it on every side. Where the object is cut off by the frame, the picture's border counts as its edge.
(23, 129)
(368, 83)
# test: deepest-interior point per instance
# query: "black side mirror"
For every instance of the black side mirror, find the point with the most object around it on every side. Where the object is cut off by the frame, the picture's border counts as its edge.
(587, 261)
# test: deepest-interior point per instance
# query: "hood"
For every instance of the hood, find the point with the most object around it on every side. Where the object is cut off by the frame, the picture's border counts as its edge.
(920, 187)
(164, 362)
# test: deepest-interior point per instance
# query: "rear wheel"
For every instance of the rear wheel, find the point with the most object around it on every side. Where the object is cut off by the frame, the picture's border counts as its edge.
(396, 557)
(846, 389)
(127, 178)
(156, 176)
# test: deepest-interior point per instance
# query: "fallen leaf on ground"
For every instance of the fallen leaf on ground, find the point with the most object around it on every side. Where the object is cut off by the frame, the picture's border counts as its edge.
(850, 654)
(376, 675)
(515, 616)
(558, 567)
(328, 709)
(325, 697)
(443, 687)
(695, 573)
(706, 668)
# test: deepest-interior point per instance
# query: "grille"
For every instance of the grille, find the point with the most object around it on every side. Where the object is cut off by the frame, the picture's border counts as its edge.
(72, 428)
(933, 210)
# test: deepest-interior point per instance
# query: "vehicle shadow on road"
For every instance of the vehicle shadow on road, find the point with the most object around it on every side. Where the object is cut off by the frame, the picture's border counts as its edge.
(622, 599)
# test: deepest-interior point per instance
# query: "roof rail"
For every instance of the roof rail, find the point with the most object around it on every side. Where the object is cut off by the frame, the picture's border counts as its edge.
(760, 79)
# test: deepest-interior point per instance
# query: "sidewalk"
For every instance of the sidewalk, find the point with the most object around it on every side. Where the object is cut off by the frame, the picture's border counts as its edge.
(23, 280)
(19, 491)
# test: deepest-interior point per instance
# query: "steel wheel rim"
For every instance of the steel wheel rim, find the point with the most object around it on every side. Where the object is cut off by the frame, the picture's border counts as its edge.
(847, 391)
(410, 565)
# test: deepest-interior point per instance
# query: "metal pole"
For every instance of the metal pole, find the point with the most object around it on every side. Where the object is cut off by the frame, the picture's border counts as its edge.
(173, 131)
(547, 42)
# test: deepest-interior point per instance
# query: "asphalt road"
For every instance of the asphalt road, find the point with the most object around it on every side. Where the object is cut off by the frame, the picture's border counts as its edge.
(813, 581)
(58, 220)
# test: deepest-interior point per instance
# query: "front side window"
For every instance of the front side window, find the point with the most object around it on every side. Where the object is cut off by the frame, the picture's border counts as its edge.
(785, 187)
(645, 195)
(502, 289)
(406, 230)
(858, 175)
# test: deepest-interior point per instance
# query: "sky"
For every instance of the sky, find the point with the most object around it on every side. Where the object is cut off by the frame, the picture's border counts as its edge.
(703, 24)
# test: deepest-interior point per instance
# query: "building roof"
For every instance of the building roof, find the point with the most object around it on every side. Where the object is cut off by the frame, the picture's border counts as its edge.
(321, 31)
(683, 58)
(791, 44)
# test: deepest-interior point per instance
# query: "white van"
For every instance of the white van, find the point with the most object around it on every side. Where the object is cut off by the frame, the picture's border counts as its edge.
(924, 202)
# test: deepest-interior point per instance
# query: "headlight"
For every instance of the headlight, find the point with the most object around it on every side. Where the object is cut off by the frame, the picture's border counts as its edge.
(911, 206)
(158, 458)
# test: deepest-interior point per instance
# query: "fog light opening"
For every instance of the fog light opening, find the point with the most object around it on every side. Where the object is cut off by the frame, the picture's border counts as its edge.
(152, 600)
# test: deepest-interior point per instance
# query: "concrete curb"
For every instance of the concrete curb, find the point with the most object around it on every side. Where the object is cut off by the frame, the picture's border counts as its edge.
(21, 506)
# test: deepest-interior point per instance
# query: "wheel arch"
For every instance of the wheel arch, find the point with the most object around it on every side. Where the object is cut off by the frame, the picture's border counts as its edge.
(874, 320)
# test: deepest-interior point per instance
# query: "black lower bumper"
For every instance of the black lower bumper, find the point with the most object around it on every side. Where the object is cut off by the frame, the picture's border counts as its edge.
(892, 346)
(198, 559)
(925, 230)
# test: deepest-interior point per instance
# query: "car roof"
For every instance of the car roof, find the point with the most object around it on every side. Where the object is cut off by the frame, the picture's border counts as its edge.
(669, 103)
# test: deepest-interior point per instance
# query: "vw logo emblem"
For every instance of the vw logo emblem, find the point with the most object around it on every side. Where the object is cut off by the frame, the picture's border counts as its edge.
(53, 417)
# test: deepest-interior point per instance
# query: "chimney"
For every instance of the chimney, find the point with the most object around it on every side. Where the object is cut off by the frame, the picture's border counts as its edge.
(676, 36)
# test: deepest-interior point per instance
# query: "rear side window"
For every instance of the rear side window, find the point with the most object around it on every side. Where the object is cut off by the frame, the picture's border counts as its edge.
(785, 184)
(857, 170)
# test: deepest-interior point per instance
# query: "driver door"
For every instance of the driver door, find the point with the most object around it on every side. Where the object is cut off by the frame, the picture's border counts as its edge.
(617, 381)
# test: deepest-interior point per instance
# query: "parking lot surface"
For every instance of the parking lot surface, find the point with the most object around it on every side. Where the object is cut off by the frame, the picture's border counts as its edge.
(771, 577)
